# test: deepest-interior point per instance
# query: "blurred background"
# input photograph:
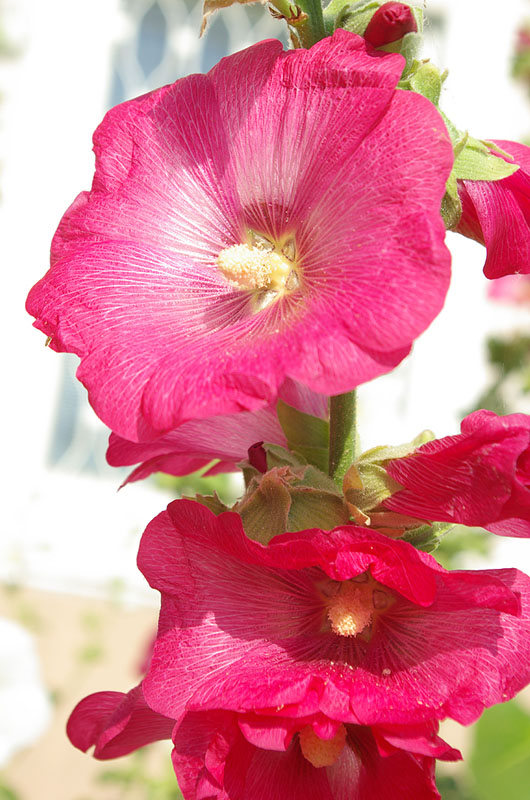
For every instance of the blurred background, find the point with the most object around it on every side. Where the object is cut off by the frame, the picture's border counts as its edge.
(75, 614)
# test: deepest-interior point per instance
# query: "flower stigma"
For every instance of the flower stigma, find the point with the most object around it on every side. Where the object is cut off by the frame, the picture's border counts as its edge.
(321, 752)
(265, 268)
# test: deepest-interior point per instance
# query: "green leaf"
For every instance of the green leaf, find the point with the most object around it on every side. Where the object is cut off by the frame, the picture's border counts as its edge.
(500, 761)
(305, 434)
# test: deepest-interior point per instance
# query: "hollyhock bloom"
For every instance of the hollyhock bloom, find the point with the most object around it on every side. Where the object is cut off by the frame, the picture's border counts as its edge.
(511, 289)
(348, 623)
(479, 477)
(277, 217)
(226, 437)
(390, 23)
(497, 214)
(221, 754)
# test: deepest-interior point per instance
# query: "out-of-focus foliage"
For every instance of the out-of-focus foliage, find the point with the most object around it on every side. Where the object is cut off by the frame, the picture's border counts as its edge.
(224, 485)
(500, 760)
(459, 543)
(452, 789)
(510, 363)
(136, 782)
(8, 794)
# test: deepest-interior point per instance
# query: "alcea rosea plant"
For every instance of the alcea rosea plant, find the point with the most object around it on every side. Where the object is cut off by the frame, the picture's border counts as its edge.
(257, 242)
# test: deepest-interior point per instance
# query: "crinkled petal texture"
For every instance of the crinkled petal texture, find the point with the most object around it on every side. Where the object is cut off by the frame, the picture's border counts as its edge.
(116, 723)
(226, 437)
(497, 214)
(479, 477)
(244, 626)
(316, 145)
(220, 755)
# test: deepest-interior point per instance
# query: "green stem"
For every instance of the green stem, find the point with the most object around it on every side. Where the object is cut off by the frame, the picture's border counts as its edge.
(315, 21)
(342, 434)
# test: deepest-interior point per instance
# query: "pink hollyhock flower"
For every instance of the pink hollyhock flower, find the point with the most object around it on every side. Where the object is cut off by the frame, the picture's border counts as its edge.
(390, 23)
(497, 214)
(277, 217)
(226, 437)
(511, 289)
(479, 477)
(348, 623)
(221, 754)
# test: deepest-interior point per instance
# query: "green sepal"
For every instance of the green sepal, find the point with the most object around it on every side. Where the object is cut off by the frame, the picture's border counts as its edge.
(383, 453)
(426, 80)
(278, 456)
(451, 208)
(427, 537)
(305, 434)
(377, 485)
(290, 498)
(353, 17)
(213, 502)
(367, 483)
(475, 162)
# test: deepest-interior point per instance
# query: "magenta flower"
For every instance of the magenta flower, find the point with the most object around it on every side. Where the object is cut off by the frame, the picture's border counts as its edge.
(348, 623)
(511, 289)
(226, 437)
(480, 477)
(390, 23)
(277, 217)
(497, 214)
(220, 755)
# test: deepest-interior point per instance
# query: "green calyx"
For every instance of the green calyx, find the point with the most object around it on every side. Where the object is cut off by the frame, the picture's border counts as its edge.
(291, 496)
(423, 77)
(367, 485)
(474, 161)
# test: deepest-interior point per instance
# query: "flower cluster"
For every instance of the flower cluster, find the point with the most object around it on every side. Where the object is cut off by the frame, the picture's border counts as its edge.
(257, 242)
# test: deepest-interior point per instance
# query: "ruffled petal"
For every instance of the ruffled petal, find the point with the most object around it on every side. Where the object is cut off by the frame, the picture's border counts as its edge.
(116, 723)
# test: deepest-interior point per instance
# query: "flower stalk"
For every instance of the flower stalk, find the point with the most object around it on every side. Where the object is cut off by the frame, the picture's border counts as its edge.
(313, 29)
(342, 434)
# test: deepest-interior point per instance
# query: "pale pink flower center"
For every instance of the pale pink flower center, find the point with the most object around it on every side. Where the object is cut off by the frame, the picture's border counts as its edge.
(321, 752)
(266, 268)
(352, 608)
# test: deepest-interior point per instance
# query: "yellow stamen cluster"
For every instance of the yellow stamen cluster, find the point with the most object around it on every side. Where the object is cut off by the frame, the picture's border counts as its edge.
(321, 752)
(253, 268)
(351, 610)
(265, 268)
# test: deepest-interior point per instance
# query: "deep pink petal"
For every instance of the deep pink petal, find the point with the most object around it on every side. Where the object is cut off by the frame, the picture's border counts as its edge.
(474, 478)
(261, 774)
(116, 723)
(194, 444)
(497, 214)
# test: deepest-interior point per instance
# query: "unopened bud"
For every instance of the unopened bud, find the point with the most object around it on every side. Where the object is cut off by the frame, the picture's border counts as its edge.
(390, 23)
